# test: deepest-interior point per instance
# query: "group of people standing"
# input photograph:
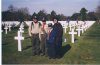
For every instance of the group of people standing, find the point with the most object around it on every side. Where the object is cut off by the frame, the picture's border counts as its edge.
(46, 38)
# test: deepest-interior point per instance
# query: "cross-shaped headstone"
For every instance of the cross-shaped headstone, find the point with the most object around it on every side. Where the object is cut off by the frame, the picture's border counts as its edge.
(22, 26)
(70, 27)
(1, 30)
(19, 38)
(72, 35)
(85, 27)
(65, 40)
(82, 28)
(9, 27)
(73, 26)
(21, 30)
(6, 29)
(79, 31)
(65, 27)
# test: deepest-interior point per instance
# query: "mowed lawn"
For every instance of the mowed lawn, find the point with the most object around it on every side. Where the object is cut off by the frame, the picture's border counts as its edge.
(85, 50)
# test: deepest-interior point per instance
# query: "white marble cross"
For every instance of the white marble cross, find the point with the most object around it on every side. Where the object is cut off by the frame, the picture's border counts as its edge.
(22, 25)
(21, 31)
(73, 26)
(72, 35)
(9, 27)
(83, 27)
(1, 30)
(70, 26)
(79, 31)
(86, 27)
(6, 29)
(19, 38)
(65, 27)
(65, 40)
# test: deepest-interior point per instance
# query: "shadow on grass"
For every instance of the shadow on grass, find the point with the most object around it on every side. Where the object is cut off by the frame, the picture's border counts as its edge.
(28, 37)
(65, 49)
(9, 36)
(75, 39)
(91, 35)
(4, 44)
(27, 47)
(25, 33)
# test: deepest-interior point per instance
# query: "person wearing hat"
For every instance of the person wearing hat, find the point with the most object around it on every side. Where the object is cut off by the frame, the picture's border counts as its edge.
(43, 36)
(34, 30)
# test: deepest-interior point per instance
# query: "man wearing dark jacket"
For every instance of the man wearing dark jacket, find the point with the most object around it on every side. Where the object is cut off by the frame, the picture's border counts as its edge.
(58, 38)
(55, 39)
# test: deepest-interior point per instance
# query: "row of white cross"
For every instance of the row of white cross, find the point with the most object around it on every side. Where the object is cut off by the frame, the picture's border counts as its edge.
(78, 27)
(6, 28)
(9, 25)
(19, 36)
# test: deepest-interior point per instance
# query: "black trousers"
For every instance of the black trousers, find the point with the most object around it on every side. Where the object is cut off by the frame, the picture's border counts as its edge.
(51, 50)
(35, 44)
(58, 47)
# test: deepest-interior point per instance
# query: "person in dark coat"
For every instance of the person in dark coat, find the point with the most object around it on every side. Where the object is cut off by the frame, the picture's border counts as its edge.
(55, 40)
(50, 42)
(58, 38)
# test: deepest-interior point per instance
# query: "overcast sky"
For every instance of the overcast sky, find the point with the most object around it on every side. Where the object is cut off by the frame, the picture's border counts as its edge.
(66, 7)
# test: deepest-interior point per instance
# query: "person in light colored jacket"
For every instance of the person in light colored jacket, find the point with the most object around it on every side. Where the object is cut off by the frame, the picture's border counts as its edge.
(34, 30)
(43, 36)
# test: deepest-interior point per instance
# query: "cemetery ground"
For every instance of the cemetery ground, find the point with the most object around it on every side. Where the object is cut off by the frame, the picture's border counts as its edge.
(85, 50)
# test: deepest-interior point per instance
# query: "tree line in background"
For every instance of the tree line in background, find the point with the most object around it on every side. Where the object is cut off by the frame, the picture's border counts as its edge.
(83, 15)
(22, 14)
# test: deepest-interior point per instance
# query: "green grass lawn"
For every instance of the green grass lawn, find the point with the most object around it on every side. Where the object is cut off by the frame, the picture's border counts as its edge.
(85, 50)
